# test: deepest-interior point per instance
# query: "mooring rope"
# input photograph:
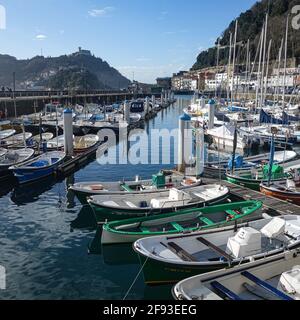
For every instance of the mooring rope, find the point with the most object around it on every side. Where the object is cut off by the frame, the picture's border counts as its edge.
(135, 280)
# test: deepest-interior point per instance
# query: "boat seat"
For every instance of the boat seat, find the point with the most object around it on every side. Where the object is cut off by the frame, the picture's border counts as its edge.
(181, 253)
(215, 248)
(177, 227)
(266, 286)
(224, 291)
(207, 221)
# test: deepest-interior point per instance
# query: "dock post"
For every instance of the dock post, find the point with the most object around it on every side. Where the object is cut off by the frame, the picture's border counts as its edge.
(199, 152)
(68, 132)
(127, 112)
(147, 104)
(153, 102)
(211, 114)
(184, 141)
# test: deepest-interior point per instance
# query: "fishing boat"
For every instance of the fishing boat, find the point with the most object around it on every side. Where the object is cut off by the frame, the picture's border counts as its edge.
(39, 167)
(287, 190)
(253, 177)
(160, 181)
(82, 144)
(125, 206)
(215, 169)
(4, 134)
(169, 259)
(272, 278)
(13, 157)
(16, 140)
(130, 230)
(56, 143)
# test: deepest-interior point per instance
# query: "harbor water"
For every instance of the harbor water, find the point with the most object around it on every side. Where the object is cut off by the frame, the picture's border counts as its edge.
(50, 245)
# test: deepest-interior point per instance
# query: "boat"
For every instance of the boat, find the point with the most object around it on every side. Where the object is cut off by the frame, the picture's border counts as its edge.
(287, 190)
(215, 169)
(253, 177)
(125, 206)
(16, 140)
(162, 180)
(39, 167)
(56, 143)
(130, 230)
(273, 278)
(47, 136)
(223, 137)
(84, 143)
(12, 157)
(170, 259)
(4, 134)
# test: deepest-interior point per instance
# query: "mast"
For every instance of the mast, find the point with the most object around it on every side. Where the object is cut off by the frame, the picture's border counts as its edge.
(228, 68)
(264, 63)
(233, 64)
(278, 71)
(285, 61)
(259, 68)
(267, 71)
(218, 52)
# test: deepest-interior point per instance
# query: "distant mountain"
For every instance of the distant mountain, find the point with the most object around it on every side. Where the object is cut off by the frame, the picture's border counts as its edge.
(80, 70)
(250, 24)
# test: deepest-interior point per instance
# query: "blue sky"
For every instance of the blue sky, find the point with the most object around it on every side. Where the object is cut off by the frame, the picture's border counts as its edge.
(148, 38)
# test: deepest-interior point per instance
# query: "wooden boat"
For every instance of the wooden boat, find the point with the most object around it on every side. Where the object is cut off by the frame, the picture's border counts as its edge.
(117, 207)
(216, 169)
(4, 134)
(172, 259)
(13, 157)
(82, 144)
(272, 278)
(15, 140)
(254, 177)
(287, 190)
(163, 180)
(129, 231)
(56, 143)
(39, 167)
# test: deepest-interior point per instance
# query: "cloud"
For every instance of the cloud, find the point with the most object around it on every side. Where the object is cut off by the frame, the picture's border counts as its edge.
(143, 59)
(100, 12)
(41, 37)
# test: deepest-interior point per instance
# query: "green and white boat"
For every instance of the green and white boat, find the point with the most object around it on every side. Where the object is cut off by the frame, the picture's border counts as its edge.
(162, 180)
(128, 231)
(116, 207)
(253, 177)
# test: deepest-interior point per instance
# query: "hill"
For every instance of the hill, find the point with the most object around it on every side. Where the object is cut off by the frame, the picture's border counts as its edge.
(76, 71)
(250, 24)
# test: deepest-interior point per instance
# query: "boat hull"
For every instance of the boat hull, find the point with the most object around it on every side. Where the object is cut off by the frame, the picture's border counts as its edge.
(285, 196)
(27, 175)
(113, 214)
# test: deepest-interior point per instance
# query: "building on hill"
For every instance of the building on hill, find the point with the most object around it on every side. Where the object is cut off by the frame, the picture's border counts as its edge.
(82, 52)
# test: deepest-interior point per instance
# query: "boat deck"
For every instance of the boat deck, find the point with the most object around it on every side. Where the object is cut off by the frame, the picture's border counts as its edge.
(271, 206)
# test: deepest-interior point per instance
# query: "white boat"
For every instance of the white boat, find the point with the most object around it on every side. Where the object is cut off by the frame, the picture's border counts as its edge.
(223, 137)
(173, 200)
(169, 259)
(4, 134)
(159, 182)
(84, 143)
(47, 136)
(15, 140)
(272, 278)
(13, 157)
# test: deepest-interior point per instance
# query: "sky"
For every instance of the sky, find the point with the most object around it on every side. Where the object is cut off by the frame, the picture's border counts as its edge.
(143, 39)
